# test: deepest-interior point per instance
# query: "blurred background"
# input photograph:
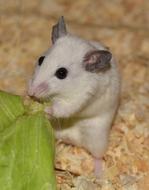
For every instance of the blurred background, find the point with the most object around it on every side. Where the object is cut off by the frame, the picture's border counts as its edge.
(122, 25)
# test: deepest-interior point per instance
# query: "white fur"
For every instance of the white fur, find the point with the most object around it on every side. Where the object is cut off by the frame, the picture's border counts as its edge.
(85, 102)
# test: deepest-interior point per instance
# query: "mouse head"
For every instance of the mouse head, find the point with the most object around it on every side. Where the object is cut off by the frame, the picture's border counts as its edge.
(69, 68)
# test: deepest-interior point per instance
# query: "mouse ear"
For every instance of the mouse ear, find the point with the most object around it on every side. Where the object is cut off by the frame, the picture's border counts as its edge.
(59, 30)
(97, 60)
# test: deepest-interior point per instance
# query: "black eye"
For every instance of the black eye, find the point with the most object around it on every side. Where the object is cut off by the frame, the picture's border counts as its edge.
(61, 73)
(40, 60)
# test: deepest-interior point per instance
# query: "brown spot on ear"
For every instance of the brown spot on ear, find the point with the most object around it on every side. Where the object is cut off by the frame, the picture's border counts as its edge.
(97, 61)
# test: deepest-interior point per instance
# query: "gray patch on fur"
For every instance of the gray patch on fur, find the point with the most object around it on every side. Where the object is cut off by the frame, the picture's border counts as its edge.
(59, 30)
(97, 61)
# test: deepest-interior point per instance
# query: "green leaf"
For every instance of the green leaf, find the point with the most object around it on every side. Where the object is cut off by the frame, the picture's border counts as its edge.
(26, 146)
(27, 155)
(11, 106)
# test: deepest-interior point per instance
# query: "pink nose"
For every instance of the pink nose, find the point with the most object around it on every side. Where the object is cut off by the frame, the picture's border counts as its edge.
(39, 90)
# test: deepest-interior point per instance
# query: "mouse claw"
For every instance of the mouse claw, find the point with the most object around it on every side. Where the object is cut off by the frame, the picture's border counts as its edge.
(49, 111)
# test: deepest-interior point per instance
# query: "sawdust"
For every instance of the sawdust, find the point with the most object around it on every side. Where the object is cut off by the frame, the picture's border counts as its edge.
(122, 25)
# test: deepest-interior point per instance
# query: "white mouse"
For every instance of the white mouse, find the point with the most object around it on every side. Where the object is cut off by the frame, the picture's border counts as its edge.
(82, 81)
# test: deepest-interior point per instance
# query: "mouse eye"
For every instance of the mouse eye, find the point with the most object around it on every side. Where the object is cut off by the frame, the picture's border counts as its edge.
(40, 60)
(61, 73)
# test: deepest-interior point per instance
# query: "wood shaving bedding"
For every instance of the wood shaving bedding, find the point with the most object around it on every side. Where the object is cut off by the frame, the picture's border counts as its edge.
(23, 37)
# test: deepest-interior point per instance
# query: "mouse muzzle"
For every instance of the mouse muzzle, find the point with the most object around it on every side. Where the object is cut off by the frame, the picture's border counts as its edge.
(38, 91)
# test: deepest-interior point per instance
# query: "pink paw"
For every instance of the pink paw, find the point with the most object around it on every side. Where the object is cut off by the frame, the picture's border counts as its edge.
(98, 168)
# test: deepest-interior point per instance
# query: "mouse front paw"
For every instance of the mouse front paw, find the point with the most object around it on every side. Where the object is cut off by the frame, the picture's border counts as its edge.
(54, 111)
(60, 110)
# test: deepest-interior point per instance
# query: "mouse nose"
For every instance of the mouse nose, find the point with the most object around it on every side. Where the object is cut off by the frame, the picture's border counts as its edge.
(38, 91)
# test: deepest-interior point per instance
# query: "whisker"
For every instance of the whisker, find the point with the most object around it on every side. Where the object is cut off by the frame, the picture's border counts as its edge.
(43, 93)
(40, 91)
